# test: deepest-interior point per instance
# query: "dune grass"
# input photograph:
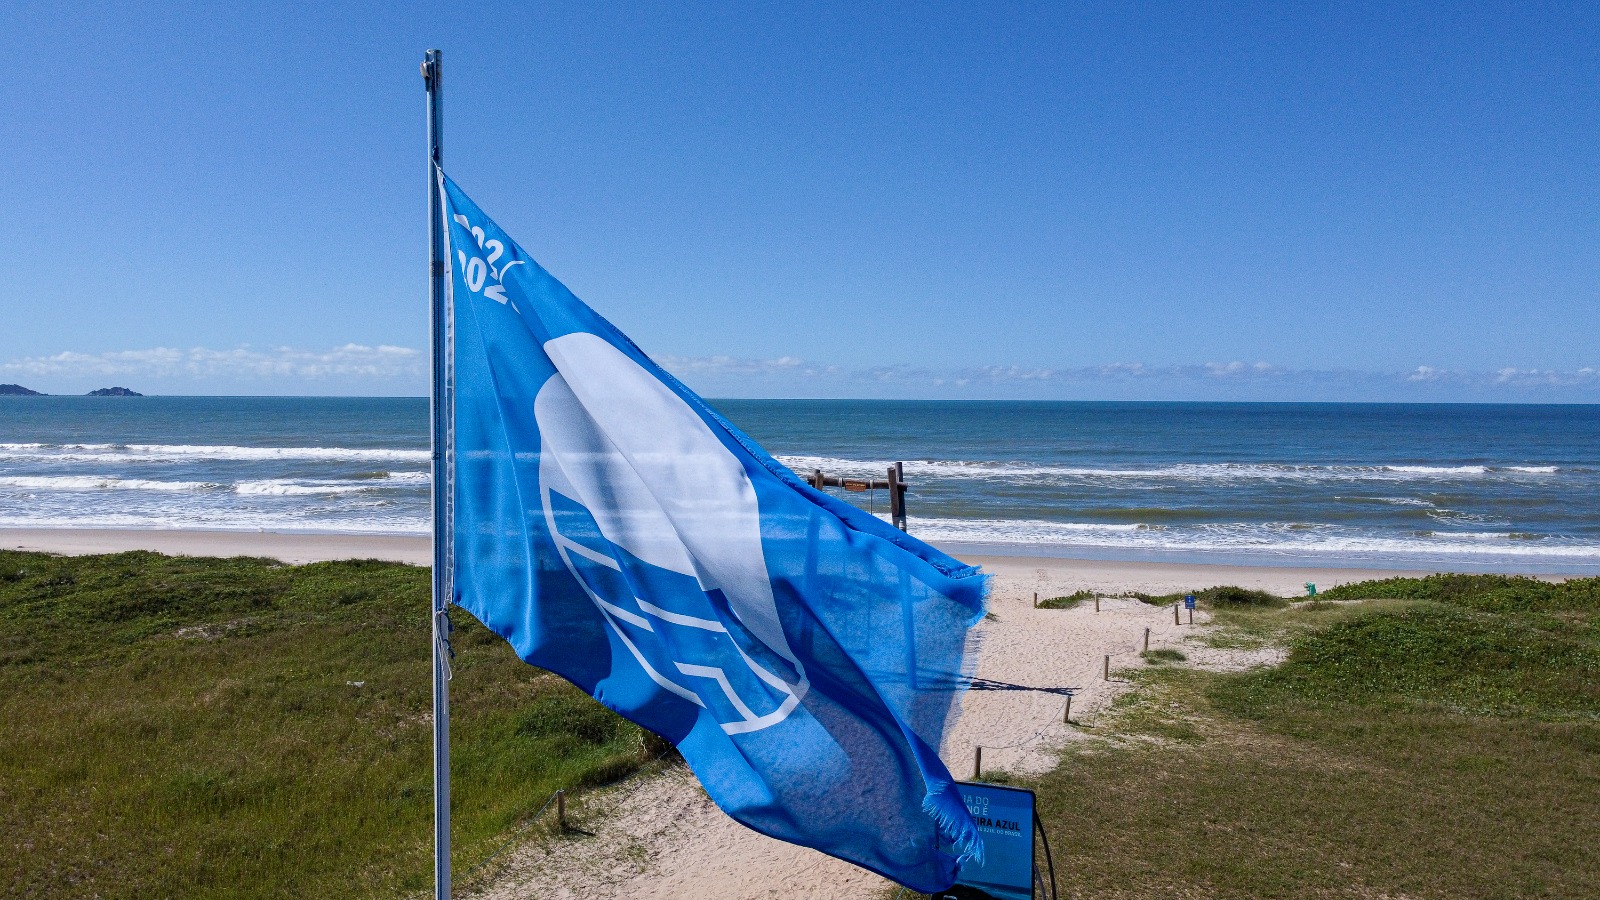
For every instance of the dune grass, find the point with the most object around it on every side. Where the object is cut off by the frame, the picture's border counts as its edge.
(1070, 601)
(239, 728)
(1162, 655)
(1225, 596)
(1442, 740)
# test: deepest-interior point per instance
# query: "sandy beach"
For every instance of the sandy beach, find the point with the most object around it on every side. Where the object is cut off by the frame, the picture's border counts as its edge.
(284, 546)
(1046, 573)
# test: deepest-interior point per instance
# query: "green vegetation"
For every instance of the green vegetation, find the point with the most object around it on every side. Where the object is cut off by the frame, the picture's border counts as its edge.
(1222, 597)
(1070, 601)
(1441, 741)
(236, 727)
(221, 728)
(1489, 593)
(1163, 655)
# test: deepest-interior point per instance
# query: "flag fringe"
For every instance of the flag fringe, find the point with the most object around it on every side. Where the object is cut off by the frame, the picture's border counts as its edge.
(949, 812)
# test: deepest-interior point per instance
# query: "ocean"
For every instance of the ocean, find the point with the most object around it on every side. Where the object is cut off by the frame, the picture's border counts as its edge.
(1459, 487)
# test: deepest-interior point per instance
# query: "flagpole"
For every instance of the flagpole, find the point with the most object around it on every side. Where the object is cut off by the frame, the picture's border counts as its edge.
(439, 408)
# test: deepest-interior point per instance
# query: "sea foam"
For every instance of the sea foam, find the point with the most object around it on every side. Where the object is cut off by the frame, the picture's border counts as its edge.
(184, 452)
(1216, 472)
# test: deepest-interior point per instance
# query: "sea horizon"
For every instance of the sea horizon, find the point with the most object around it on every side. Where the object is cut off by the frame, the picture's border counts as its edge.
(963, 400)
(1447, 486)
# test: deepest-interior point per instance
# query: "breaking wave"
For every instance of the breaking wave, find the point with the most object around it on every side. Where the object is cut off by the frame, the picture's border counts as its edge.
(257, 487)
(1195, 472)
(186, 452)
(99, 483)
(1285, 538)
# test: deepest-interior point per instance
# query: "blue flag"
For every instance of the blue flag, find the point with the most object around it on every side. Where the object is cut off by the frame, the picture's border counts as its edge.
(804, 656)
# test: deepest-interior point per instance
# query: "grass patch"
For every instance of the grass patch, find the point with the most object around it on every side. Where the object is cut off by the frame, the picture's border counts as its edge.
(1163, 655)
(1489, 593)
(1225, 596)
(1070, 601)
(235, 727)
(1444, 743)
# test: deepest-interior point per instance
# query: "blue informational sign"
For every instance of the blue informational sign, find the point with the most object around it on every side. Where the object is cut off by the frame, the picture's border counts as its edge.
(1188, 602)
(1005, 819)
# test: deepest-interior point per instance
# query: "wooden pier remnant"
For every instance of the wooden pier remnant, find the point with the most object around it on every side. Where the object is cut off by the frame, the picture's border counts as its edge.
(895, 484)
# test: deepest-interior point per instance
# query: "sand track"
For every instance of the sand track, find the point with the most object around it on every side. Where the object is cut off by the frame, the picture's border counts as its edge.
(660, 837)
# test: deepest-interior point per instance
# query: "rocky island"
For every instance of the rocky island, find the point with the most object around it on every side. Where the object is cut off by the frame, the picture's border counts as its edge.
(115, 392)
(17, 390)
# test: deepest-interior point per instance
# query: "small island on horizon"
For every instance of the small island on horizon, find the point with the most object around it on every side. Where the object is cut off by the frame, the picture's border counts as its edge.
(17, 390)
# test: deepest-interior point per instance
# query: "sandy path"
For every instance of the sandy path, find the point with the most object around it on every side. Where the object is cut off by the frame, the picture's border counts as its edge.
(660, 838)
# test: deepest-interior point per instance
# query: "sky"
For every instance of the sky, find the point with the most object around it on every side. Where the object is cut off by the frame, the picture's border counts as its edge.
(1196, 201)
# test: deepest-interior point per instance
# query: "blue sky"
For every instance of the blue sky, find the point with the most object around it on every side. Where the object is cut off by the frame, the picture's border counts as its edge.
(1079, 201)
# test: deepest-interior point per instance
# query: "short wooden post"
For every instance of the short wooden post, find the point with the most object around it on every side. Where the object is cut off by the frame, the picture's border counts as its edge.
(897, 496)
(561, 810)
(1147, 639)
(1066, 717)
(1175, 615)
(977, 763)
(1108, 667)
(1035, 599)
(1191, 617)
(1097, 603)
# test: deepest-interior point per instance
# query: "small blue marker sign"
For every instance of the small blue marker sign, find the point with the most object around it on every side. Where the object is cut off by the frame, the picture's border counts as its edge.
(1188, 602)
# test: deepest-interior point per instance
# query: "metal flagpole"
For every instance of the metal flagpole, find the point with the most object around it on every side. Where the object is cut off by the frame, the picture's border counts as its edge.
(441, 414)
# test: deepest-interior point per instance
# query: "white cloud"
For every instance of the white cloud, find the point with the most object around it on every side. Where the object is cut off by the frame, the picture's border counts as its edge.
(1238, 369)
(390, 363)
(348, 361)
(1114, 369)
(1546, 377)
(729, 365)
(1012, 373)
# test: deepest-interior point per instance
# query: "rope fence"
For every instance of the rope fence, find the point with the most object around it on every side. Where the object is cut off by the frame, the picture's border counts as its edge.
(559, 797)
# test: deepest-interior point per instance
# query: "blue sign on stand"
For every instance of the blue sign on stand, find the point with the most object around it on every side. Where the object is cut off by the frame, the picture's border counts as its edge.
(1005, 819)
(1188, 602)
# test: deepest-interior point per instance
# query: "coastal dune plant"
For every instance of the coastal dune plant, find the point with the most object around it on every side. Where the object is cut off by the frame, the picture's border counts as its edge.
(1220, 597)
(1448, 719)
(1070, 601)
(187, 727)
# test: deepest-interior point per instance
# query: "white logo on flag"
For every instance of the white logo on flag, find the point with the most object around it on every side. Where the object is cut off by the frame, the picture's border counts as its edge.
(477, 270)
(660, 485)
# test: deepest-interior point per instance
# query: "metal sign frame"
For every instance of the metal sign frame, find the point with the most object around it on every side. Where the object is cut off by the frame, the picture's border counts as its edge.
(1008, 819)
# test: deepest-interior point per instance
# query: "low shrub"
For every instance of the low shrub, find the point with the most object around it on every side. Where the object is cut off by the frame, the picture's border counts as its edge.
(1070, 601)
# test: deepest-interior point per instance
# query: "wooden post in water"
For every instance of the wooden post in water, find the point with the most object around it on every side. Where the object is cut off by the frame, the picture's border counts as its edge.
(897, 496)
